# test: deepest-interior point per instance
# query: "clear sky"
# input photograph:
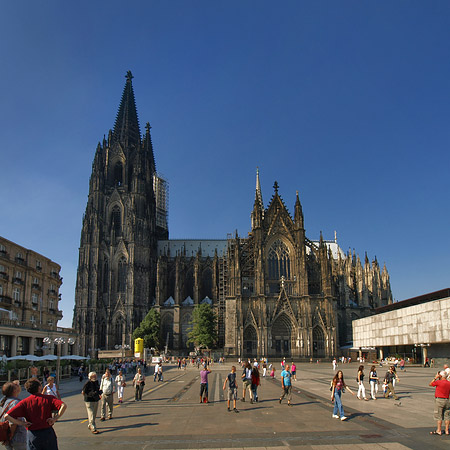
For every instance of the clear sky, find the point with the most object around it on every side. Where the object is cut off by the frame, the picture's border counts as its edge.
(346, 102)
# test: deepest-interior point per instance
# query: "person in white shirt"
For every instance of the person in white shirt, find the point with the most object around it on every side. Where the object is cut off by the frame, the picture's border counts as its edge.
(50, 388)
(108, 388)
(156, 371)
(120, 383)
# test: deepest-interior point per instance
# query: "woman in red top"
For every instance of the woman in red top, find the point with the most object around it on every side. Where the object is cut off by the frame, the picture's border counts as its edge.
(255, 384)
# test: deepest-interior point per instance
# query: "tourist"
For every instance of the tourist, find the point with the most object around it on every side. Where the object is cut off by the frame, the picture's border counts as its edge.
(37, 410)
(108, 388)
(156, 372)
(388, 381)
(294, 371)
(204, 384)
(427, 362)
(92, 395)
(232, 388)
(18, 437)
(338, 386)
(334, 364)
(255, 383)
(361, 389)
(246, 381)
(402, 364)
(286, 384)
(50, 388)
(272, 372)
(160, 372)
(120, 383)
(46, 374)
(34, 371)
(138, 383)
(441, 402)
(373, 381)
(264, 369)
(447, 371)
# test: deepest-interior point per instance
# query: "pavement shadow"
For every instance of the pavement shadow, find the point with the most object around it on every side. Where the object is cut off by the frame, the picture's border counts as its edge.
(360, 414)
(127, 427)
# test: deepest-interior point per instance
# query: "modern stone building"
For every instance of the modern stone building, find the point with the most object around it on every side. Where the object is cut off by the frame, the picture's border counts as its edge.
(417, 327)
(29, 296)
(276, 292)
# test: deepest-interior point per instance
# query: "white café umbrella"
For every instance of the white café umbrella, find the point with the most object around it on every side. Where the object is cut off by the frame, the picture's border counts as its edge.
(47, 358)
(24, 357)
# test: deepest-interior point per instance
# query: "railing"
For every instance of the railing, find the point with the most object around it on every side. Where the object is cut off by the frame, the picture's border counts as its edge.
(17, 280)
(4, 276)
(51, 292)
(5, 299)
(3, 254)
(36, 286)
(20, 261)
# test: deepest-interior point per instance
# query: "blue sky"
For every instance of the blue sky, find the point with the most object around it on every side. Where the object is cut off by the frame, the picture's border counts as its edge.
(346, 102)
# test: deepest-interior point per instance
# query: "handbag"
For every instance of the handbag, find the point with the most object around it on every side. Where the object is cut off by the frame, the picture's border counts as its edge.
(124, 384)
(5, 429)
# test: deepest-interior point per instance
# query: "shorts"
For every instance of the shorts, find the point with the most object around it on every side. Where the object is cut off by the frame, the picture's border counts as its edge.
(441, 409)
(246, 383)
(203, 389)
(232, 394)
(293, 372)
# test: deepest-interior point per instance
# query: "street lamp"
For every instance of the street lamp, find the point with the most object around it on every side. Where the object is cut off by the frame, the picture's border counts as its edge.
(58, 341)
(123, 348)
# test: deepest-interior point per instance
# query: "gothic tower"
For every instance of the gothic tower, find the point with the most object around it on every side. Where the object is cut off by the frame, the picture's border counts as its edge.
(117, 256)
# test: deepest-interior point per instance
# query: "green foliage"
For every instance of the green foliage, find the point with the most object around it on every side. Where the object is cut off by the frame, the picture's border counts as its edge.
(149, 329)
(204, 327)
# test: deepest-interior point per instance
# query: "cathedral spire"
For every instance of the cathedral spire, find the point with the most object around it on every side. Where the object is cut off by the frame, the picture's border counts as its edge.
(148, 146)
(126, 128)
(258, 195)
(298, 214)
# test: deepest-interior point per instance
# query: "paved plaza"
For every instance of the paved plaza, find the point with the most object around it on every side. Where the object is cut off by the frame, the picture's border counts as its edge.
(171, 417)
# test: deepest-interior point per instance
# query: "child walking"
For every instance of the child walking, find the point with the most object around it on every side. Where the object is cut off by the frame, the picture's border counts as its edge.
(232, 388)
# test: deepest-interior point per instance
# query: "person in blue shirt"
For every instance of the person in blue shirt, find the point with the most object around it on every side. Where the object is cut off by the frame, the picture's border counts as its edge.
(286, 384)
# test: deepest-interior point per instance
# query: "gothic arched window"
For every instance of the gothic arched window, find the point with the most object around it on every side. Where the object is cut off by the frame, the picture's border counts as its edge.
(118, 174)
(122, 275)
(279, 263)
(207, 285)
(116, 220)
(105, 275)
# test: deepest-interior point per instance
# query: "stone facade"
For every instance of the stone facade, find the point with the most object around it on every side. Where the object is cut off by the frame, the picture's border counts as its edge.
(275, 292)
(29, 296)
(425, 326)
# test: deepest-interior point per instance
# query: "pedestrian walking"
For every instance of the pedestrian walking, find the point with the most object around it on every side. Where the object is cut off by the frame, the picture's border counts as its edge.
(232, 389)
(92, 394)
(50, 388)
(246, 380)
(160, 372)
(373, 381)
(255, 383)
(155, 376)
(108, 388)
(120, 384)
(361, 395)
(441, 402)
(334, 365)
(338, 387)
(388, 381)
(286, 384)
(204, 384)
(138, 383)
(18, 436)
(37, 410)
(294, 371)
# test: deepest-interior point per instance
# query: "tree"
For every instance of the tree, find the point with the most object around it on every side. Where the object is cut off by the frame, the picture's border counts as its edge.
(149, 329)
(203, 333)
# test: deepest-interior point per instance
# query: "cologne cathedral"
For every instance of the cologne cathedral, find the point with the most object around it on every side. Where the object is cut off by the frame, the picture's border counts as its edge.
(276, 292)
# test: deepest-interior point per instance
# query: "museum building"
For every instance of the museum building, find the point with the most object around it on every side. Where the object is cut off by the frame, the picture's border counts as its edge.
(276, 292)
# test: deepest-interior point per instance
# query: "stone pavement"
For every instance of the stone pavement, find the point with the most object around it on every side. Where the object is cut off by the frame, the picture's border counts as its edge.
(171, 417)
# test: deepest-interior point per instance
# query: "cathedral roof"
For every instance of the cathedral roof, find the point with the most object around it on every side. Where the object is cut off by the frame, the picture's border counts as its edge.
(335, 249)
(126, 128)
(190, 247)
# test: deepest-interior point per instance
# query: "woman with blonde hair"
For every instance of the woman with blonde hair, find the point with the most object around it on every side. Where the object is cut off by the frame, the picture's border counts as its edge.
(10, 399)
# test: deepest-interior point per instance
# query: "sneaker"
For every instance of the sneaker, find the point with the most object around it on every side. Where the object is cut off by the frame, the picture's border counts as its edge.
(235, 410)
(280, 401)
(335, 416)
(110, 417)
(229, 409)
(251, 401)
(102, 419)
(289, 404)
(343, 418)
(95, 432)
(242, 399)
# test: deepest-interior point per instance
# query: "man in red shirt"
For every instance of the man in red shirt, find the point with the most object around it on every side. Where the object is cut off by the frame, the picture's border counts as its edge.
(442, 402)
(37, 411)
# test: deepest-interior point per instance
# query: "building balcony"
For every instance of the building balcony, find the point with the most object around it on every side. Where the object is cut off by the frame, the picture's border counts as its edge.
(17, 280)
(4, 276)
(17, 303)
(36, 286)
(3, 254)
(51, 292)
(39, 268)
(5, 300)
(55, 275)
(20, 261)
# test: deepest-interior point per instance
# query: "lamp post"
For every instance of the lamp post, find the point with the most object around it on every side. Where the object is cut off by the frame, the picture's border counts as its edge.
(58, 341)
(123, 348)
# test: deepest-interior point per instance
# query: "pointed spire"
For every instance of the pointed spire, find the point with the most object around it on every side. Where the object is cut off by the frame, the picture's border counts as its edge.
(126, 128)
(148, 145)
(258, 194)
(298, 213)
(275, 187)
